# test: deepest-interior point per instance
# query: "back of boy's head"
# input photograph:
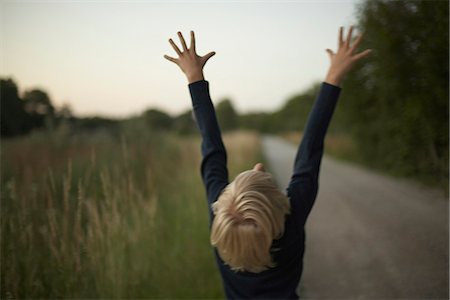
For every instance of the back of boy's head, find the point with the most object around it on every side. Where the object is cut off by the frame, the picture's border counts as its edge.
(249, 215)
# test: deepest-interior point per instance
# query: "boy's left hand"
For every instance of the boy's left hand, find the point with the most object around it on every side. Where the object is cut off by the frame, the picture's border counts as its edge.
(343, 60)
(189, 62)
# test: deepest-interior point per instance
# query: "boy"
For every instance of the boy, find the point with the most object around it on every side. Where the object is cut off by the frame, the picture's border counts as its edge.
(257, 231)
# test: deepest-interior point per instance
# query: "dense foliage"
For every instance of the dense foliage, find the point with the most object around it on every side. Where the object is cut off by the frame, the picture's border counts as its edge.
(397, 103)
(19, 116)
(394, 105)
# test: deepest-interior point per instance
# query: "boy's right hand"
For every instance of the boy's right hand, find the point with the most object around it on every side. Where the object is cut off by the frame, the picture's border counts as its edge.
(344, 59)
(189, 62)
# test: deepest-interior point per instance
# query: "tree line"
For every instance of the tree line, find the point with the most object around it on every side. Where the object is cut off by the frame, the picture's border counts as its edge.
(395, 105)
(35, 111)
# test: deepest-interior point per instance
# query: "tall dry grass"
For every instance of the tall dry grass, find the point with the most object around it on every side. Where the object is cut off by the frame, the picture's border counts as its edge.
(103, 216)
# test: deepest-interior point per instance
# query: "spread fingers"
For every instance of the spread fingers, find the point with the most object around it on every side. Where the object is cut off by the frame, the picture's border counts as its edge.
(175, 47)
(183, 42)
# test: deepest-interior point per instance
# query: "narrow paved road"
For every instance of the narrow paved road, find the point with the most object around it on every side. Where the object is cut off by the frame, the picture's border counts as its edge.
(369, 236)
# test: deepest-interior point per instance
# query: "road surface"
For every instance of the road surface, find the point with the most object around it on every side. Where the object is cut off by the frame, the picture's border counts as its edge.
(369, 236)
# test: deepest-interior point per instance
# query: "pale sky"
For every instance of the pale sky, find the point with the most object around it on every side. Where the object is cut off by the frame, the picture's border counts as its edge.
(106, 57)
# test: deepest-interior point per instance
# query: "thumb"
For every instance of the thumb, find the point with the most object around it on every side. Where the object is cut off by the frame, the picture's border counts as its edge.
(208, 56)
(330, 52)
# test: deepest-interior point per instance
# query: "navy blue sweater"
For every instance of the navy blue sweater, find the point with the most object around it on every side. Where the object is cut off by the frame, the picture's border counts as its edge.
(281, 281)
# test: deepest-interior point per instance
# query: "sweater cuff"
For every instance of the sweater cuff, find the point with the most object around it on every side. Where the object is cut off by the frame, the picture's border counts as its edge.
(331, 85)
(199, 90)
(332, 91)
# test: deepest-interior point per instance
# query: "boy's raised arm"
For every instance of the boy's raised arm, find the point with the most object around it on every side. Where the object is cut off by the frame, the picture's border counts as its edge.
(304, 181)
(214, 162)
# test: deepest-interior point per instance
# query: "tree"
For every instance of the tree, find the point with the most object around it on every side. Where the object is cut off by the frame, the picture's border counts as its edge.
(65, 111)
(259, 121)
(38, 106)
(294, 113)
(157, 119)
(397, 102)
(226, 115)
(185, 123)
(14, 119)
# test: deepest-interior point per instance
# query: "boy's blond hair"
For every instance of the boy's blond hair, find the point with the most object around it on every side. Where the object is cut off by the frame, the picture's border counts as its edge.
(249, 215)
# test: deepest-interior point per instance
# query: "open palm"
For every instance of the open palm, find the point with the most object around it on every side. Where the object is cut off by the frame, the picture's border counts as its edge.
(188, 60)
(345, 57)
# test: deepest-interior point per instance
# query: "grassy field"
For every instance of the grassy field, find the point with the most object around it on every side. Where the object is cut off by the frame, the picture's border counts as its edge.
(109, 216)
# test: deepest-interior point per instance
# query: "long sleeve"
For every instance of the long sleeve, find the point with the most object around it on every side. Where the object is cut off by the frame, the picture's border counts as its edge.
(303, 186)
(213, 168)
